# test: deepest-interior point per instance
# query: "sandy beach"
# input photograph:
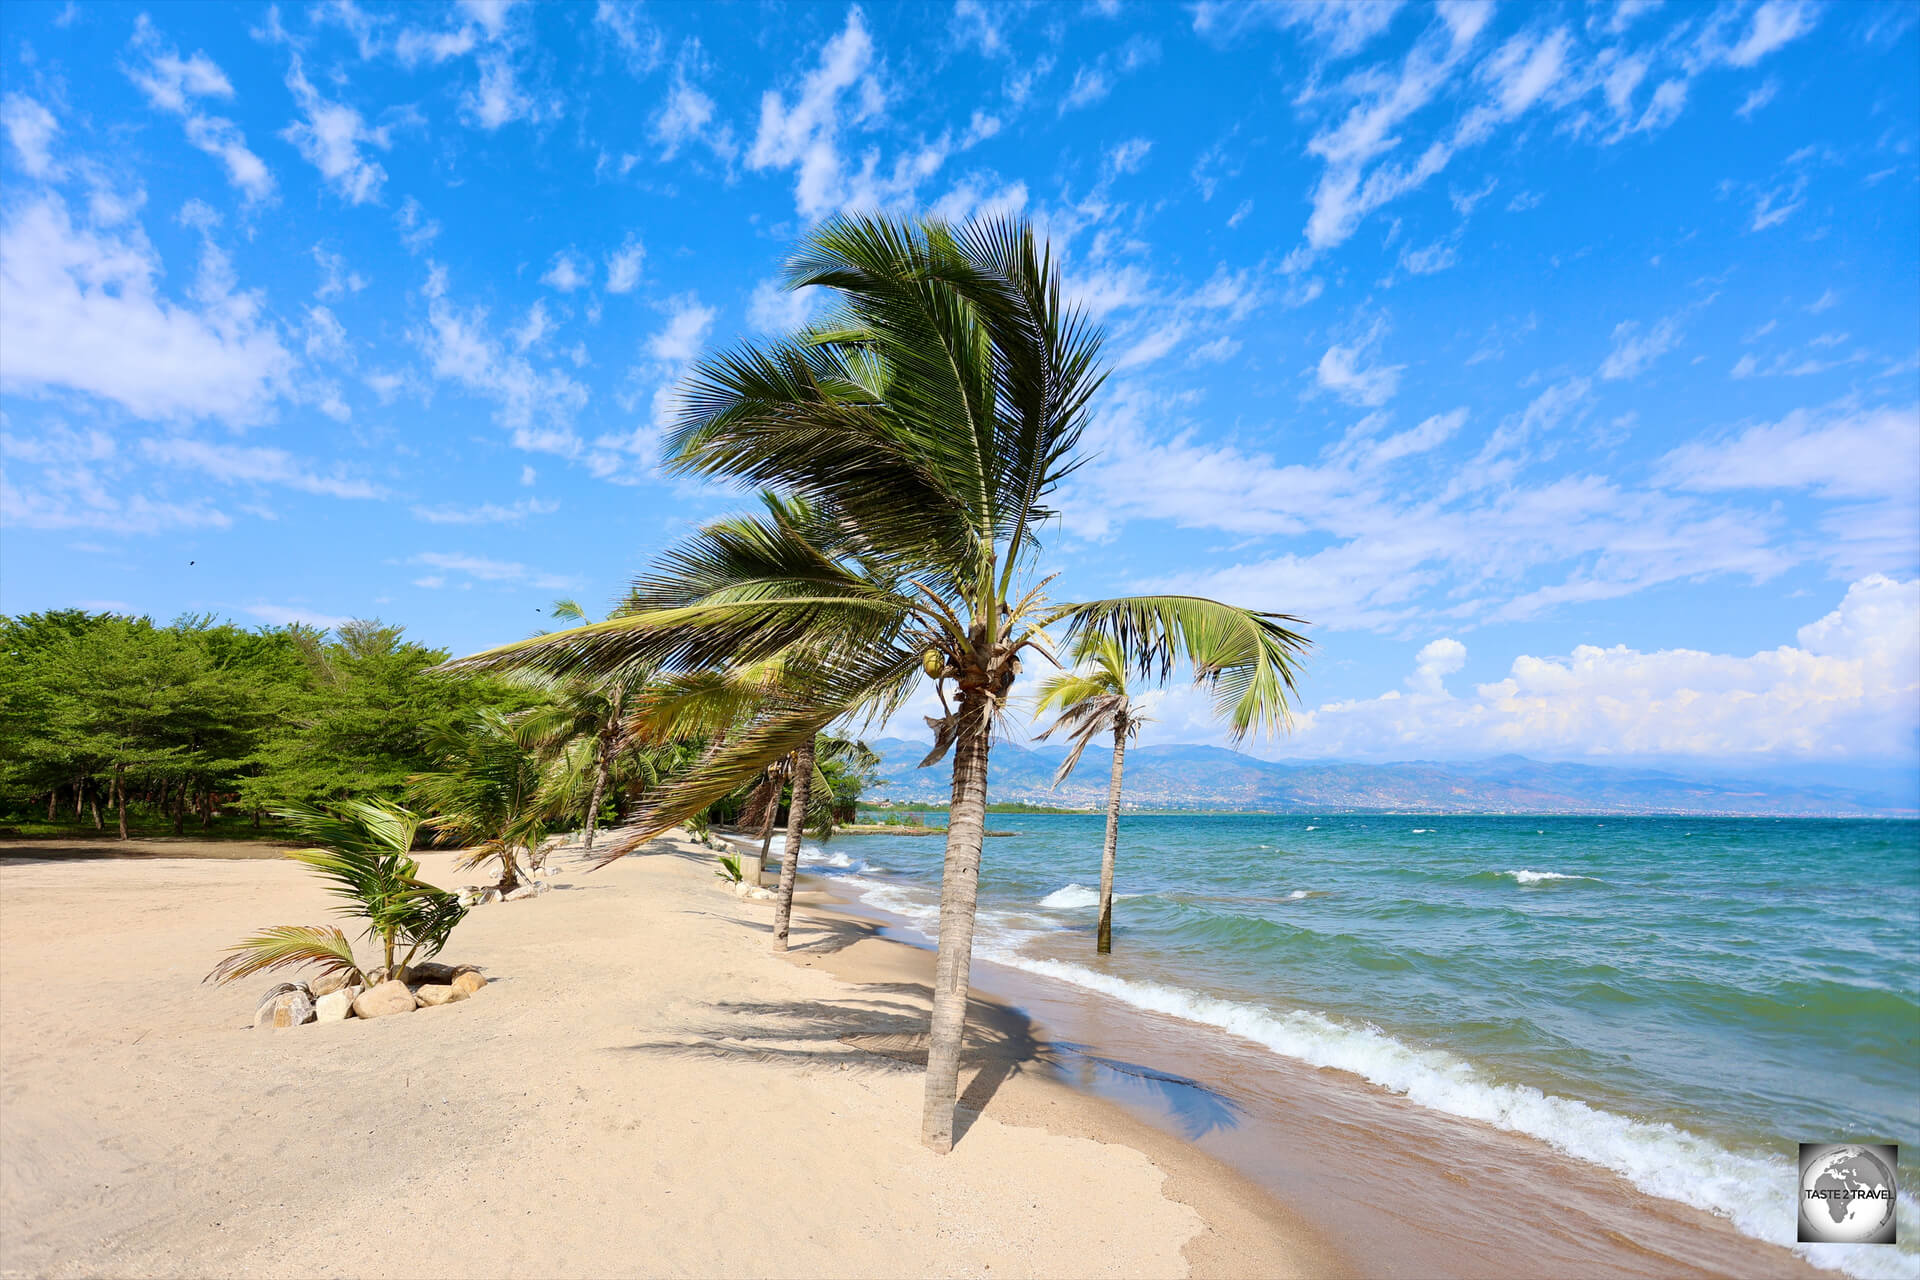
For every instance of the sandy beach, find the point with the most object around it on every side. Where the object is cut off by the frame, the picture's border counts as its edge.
(643, 1089)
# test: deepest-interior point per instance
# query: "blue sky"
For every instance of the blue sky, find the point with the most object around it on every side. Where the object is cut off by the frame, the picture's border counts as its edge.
(1560, 363)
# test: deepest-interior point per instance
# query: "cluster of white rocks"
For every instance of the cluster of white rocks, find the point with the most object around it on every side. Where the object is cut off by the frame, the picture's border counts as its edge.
(334, 999)
(477, 895)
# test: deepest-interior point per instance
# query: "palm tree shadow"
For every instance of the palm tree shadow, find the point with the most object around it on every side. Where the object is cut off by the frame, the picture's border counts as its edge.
(884, 1028)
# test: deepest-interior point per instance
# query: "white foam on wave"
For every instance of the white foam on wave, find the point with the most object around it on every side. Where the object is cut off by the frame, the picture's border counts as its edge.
(1070, 898)
(1421, 831)
(1658, 1158)
(1313, 828)
(1545, 877)
(1661, 1160)
(1296, 895)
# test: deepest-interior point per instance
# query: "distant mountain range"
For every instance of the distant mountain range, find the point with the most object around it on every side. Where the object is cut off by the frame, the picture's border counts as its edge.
(1193, 777)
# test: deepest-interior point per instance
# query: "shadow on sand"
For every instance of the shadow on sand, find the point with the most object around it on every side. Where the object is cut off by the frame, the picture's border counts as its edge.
(883, 1026)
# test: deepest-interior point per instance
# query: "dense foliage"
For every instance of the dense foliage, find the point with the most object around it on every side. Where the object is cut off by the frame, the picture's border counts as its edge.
(201, 719)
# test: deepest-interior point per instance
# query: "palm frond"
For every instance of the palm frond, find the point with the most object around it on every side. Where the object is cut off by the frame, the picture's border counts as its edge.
(1249, 659)
(287, 946)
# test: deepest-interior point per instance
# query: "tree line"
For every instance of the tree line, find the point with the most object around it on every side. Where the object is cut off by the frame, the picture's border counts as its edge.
(116, 723)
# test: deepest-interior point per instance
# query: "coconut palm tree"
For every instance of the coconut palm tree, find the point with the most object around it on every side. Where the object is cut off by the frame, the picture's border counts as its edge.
(363, 846)
(918, 433)
(1092, 699)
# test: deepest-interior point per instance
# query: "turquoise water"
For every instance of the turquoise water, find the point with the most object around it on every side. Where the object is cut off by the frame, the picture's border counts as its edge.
(1680, 1000)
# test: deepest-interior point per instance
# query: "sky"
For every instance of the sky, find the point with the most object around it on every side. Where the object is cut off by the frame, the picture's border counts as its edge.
(1559, 363)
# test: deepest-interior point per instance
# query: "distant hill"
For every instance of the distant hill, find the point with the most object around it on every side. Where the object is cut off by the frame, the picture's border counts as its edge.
(1195, 777)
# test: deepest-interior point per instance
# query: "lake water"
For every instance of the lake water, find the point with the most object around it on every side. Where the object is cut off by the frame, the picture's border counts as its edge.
(1680, 1001)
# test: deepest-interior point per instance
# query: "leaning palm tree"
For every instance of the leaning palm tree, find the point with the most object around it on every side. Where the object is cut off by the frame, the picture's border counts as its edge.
(490, 794)
(363, 847)
(581, 709)
(1092, 699)
(916, 436)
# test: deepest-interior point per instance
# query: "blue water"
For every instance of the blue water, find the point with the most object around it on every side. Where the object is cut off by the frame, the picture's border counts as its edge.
(1680, 1000)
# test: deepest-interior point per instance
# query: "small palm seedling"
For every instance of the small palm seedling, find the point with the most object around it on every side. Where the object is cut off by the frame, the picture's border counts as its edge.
(363, 848)
(730, 870)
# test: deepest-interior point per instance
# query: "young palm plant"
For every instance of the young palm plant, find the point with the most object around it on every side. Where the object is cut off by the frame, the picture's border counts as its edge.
(915, 437)
(1092, 699)
(491, 794)
(363, 847)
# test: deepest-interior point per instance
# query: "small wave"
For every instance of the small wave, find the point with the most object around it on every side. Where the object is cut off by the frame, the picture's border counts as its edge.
(1546, 877)
(1421, 831)
(1313, 828)
(1298, 894)
(1660, 1159)
(1071, 898)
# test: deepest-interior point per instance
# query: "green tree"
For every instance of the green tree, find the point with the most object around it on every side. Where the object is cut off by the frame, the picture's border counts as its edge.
(923, 426)
(1093, 699)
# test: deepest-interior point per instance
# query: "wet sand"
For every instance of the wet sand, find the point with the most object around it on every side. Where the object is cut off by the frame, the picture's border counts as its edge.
(1410, 1191)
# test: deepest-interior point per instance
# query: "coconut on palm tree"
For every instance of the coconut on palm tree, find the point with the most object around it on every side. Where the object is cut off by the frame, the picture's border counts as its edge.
(1093, 699)
(918, 434)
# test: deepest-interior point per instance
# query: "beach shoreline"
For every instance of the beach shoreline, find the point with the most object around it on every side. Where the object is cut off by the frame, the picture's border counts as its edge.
(1411, 1191)
(643, 1089)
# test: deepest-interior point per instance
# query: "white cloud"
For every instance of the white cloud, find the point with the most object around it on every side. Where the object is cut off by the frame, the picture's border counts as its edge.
(653, 380)
(1758, 98)
(976, 196)
(83, 313)
(30, 128)
(1094, 80)
(330, 137)
(336, 278)
(171, 84)
(75, 488)
(486, 569)
(1849, 690)
(486, 512)
(689, 115)
(535, 327)
(1434, 663)
(776, 309)
(1129, 156)
(1841, 452)
(636, 38)
(1341, 26)
(236, 464)
(1350, 372)
(1775, 23)
(567, 274)
(686, 328)
(805, 135)
(537, 405)
(1634, 350)
(1428, 261)
(623, 265)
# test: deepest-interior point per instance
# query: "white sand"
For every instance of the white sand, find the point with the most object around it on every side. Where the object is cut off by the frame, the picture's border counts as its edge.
(644, 1090)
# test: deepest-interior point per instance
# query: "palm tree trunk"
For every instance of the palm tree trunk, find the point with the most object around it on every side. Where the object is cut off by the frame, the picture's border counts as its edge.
(120, 796)
(603, 768)
(796, 829)
(1104, 942)
(959, 897)
(751, 867)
